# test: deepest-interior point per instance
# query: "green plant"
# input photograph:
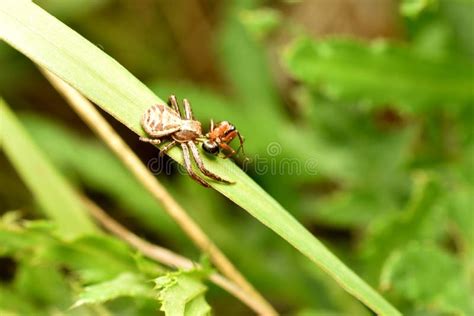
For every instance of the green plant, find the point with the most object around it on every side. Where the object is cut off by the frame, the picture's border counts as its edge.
(388, 122)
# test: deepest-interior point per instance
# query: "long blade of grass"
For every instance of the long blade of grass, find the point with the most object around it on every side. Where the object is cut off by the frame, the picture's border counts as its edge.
(55, 197)
(62, 51)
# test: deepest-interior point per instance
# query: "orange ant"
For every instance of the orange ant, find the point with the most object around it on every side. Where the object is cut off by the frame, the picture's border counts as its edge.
(220, 136)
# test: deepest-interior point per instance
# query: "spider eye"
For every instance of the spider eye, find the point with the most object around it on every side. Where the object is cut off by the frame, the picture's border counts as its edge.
(210, 147)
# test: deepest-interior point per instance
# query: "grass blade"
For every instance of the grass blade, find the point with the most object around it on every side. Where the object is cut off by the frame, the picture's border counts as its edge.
(55, 197)
(62, 51)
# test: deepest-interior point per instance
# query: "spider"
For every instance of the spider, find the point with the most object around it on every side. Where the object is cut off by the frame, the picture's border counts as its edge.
(161, 121)
(220, 136)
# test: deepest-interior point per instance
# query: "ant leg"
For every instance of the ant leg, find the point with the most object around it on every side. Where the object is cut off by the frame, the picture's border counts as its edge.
(241, 140)
(189, 168)
(154, 141)
(173, 102)
(228, 148)
(188, 112)
(227, 139)
(165, 149)
(200, 164)
(212, 125)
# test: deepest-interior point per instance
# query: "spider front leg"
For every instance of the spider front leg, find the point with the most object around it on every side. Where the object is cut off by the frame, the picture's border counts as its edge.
(200, 164)
(154, 141)
(189, 168)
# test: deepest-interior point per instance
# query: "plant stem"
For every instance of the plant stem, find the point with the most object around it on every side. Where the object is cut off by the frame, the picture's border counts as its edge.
(86, 110)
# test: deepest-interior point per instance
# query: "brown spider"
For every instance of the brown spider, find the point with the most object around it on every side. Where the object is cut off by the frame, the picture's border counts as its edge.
(220, 136)
(161, 121)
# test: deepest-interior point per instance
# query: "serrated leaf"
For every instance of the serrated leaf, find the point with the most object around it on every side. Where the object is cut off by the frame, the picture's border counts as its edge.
(380, 73)
(182, 294)
(15, 241)
(124, 285)
(429, 277)
(94, 258)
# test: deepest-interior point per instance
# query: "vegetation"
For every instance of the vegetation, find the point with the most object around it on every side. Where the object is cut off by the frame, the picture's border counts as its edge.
(360, 159)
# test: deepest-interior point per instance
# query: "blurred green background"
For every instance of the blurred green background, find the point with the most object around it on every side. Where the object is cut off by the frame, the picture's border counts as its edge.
(361, 111)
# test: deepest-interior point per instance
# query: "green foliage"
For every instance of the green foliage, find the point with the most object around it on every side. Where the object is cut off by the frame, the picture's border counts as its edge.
(85, 161)
(90, 162)
(261, 22)
(124, 285)
(97, 76)
(413, 8)
(429, 276)
(55, 197)
(182, 294)
(52, 269)
(380, 73)
(414, 223)
(389, 124)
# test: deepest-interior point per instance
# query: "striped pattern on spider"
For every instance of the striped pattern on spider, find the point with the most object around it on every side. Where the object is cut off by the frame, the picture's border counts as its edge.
(166, 123)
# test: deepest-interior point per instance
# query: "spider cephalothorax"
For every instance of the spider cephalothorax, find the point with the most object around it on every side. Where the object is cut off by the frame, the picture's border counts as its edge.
(163, 123)
(219, 138)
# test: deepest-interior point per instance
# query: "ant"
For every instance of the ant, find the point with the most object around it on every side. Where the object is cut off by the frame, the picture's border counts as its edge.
(219, 138)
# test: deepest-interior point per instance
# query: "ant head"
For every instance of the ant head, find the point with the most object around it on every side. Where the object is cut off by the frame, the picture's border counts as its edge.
(226, 127)
(210, 147)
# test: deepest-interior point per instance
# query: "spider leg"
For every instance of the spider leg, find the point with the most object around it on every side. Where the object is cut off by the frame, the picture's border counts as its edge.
(165, 149)
(188, 112)
(154, 141)
(173, 102)
(189, 168)
(200, 164)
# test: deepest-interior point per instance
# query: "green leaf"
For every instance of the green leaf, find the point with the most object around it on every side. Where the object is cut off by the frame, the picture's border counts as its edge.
(55, 197)
(13, 303)
(182, 293)
(94, 258)
(380, 73)
(261, 22)
(124, 285)
(413, 8)
(42, 284)
(396, 230)
(54, 46)
(459, 14)
(429, 277)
